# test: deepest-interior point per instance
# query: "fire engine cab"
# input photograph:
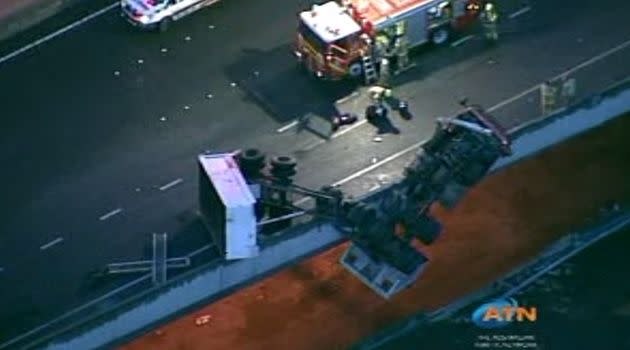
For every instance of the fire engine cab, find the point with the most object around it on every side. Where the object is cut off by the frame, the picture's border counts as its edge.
(336, 40)
(158, 14)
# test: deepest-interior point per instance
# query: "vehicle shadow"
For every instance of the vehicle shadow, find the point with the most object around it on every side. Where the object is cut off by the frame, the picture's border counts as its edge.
(275, 81)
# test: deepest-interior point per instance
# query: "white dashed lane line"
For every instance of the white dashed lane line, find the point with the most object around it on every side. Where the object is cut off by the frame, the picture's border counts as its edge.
(287, 127)
(110, 214)
(171, 184)
(462, 40)
(51, 243)
(522, 11)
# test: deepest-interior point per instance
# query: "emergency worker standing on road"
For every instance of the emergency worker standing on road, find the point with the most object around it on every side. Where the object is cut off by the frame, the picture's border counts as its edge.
(489, 19)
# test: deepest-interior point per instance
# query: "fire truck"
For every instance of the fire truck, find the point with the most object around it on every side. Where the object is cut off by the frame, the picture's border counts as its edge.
(337, 40)
(159, 14)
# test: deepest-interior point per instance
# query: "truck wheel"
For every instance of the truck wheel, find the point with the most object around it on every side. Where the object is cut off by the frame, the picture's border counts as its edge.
(165, 24)
(440, 36)
(355, 70)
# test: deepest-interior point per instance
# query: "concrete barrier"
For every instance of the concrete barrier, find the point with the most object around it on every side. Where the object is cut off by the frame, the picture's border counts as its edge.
(210, 282)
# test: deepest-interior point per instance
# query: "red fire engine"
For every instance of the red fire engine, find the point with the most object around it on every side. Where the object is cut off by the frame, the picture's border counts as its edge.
(343, 39)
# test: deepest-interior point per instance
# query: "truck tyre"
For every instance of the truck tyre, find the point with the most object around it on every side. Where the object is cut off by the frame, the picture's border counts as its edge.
(284, 162)
(355, 70)
(165, 23)
(440, 36)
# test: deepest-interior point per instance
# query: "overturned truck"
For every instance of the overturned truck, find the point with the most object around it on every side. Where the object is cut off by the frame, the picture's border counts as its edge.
(460, 153)
(382, 255)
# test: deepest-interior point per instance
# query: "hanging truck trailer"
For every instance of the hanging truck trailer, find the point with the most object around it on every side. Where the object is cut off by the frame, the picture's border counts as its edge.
(347, 39)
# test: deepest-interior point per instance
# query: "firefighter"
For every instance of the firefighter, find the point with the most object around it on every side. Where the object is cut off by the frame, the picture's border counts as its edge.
(383, 46)
(377, 109)
(568, 90)
(489, 19)
(548, 97)
(401, 46)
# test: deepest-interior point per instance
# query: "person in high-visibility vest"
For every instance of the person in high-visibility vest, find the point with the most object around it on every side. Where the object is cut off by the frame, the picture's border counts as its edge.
(568, 90)
(382, 46)
(489, 19)
(401, 46)
(548, 97)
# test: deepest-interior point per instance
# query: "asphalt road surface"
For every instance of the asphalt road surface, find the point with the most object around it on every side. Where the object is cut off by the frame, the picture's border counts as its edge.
(100, 126)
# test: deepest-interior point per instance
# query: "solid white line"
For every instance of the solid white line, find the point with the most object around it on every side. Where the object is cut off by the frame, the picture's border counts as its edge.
(495, 107)
(57, 33)
(511, 99)
(171, 184)
(462, 40)
(287, 127)
(348, 129)
(51, 243)
(110, 214)
(376, 165)
(200, 250)
(522, 11)
(567, 72)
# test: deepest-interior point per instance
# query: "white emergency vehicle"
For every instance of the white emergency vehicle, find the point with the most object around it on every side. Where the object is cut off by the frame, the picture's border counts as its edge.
(159, 14)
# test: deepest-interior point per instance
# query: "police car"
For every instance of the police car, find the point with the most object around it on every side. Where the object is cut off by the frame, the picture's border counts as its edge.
(159, 14)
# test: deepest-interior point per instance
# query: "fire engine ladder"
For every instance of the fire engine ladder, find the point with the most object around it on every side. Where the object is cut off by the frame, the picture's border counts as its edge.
(369, 70)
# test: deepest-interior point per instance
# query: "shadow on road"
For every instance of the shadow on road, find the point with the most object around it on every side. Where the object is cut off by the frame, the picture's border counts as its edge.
(274, 80)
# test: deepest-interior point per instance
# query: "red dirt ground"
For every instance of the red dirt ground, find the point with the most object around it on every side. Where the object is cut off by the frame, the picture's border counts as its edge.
(504, 221)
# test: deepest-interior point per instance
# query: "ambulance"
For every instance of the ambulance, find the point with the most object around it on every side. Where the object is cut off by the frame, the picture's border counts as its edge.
(159, 14)
(337, 40)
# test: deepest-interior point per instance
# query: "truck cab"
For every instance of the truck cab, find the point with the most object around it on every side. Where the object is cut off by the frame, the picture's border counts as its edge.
(329, 41)
(343, 39)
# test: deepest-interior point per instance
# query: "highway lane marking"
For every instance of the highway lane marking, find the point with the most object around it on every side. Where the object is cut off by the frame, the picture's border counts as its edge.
(110, 214)
(462, 40)
(171, 184)
(567, 72)
(504, 102)
(287, 127)
(57, 33)
(491, 109)
(200, 250)
(522, 11)
(51, 243)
